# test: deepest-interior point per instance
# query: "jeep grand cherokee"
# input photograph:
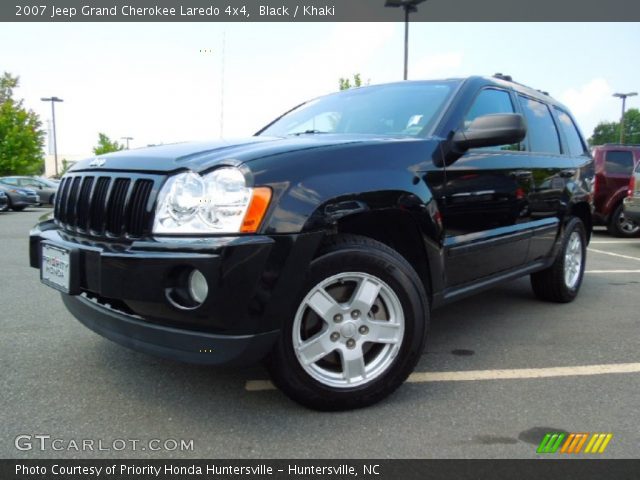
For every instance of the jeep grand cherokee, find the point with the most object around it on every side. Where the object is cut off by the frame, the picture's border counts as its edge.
(322, 243)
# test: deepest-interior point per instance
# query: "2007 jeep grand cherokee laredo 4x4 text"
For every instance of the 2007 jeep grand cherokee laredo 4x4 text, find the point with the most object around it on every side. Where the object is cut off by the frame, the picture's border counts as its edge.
(322, 243)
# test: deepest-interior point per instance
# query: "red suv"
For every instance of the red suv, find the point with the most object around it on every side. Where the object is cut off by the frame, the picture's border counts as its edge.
(614, 165)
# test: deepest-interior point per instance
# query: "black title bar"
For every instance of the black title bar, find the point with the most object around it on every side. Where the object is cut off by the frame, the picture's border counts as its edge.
(315, 11)
(535, 469)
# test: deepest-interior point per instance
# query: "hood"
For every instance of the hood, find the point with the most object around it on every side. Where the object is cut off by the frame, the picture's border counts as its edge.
(201, 156)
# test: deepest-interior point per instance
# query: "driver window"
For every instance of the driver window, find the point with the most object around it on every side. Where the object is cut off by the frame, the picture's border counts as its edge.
(488, 101)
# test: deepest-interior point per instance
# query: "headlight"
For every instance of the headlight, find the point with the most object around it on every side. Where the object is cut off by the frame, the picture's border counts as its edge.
(218, 202)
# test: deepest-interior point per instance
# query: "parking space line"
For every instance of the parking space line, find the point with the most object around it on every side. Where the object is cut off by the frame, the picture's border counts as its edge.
(612, 271)
(614, 254)
(512, 374)
(632, 241)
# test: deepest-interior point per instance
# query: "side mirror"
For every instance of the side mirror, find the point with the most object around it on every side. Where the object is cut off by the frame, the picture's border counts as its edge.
(491, 131)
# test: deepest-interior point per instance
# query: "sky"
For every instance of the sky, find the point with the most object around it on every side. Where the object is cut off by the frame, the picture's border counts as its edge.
(163, 82)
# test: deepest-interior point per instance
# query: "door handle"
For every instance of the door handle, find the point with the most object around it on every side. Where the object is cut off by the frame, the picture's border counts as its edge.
(521, 174)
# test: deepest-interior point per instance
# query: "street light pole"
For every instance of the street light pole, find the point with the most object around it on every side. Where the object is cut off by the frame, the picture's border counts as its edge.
(406, 43)
(623, 96)
(127, 140)
(409, 6)
(53, 101)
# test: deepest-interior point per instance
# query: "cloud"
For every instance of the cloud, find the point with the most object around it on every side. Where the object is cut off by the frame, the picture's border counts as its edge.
(591, 103)
(587, 98)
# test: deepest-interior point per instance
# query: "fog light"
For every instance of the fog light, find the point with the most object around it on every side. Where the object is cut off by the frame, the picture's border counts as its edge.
(198, 288)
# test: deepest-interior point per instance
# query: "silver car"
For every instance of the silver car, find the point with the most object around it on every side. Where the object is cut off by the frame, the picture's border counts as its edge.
(45, 188)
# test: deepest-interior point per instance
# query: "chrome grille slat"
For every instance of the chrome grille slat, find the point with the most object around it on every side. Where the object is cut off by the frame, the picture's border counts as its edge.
(96, 210)
(72, 201)
(82, 209)
(116, 207)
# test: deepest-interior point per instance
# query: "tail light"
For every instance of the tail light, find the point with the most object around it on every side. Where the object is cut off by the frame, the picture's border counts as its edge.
(632, 186)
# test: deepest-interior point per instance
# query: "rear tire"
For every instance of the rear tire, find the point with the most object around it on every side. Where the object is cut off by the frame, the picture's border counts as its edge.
(358, 328)
(622, 226)
(562, 280)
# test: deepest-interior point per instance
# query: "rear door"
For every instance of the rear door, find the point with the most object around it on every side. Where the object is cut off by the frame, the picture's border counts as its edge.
(549, 198)
(484, 204)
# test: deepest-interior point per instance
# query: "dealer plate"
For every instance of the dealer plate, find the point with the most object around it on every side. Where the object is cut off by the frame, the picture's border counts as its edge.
(56, 267)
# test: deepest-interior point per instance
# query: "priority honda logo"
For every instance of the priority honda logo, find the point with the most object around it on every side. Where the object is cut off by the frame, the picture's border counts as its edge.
(574, 442)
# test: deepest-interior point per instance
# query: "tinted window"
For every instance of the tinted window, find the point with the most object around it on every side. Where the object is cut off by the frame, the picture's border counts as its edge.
(9, 181)
(487, 102)
(397, 109)
(574, 141)
(541, 130)
(618, 162)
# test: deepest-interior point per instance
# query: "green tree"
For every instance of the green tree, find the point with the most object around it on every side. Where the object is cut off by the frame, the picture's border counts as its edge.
(345, 83)
(21, 136)
(106, 145)
(609, 132)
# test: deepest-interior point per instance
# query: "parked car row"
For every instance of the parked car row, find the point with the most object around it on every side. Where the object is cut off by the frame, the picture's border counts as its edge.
(614, 167)
(632, 201)
(4, 202)
(20, 192)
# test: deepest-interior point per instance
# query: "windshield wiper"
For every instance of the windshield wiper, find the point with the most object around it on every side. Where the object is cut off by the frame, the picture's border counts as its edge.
(307, 132)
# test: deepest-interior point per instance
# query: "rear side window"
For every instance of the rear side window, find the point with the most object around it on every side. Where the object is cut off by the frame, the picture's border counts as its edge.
(487, 102)
(9, 181)
(541, 129)
(574, 141)
(617, 161)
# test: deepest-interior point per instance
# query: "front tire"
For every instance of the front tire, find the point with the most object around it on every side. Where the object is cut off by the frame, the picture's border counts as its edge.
(358, 329)
(622, 226)
(562, 280)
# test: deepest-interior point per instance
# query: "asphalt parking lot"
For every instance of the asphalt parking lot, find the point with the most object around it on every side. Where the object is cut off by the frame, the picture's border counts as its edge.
(62, 380)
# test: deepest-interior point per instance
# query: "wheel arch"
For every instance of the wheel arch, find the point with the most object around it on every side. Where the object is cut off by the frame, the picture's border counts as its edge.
(399, 230)
(583, 212)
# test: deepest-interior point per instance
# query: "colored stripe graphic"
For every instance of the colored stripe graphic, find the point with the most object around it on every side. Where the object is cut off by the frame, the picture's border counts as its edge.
(574, 442)
(598, 443)
(550, 443)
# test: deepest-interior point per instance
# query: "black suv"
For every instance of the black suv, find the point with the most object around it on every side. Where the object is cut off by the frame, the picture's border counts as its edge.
(322, 243)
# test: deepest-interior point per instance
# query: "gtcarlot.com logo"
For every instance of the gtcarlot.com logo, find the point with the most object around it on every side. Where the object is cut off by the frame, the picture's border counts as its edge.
(41, 442)
(574, 443)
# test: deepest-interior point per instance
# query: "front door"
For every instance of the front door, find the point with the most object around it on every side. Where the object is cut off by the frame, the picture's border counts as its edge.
(485, 209)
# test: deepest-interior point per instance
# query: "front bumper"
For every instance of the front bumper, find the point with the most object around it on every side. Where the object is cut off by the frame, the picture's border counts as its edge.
(123, 291)
(24, 200)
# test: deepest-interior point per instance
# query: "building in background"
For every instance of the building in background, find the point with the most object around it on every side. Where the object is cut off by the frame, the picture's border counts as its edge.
(50, 163)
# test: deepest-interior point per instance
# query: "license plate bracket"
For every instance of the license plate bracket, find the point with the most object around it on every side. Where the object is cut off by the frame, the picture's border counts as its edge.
(59, 267)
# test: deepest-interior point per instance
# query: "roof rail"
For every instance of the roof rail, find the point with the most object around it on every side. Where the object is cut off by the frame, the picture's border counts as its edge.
(501, 76)
(509, 78)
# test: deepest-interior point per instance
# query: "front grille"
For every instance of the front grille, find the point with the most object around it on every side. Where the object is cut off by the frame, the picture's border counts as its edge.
(107, 204)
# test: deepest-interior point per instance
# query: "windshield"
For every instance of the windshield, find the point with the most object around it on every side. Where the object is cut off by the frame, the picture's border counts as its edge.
(405, 109)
